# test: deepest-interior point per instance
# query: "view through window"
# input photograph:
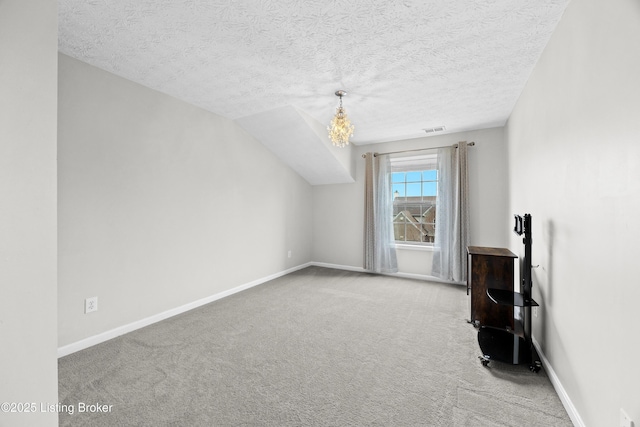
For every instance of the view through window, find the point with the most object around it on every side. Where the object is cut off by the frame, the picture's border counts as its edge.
(414, 185)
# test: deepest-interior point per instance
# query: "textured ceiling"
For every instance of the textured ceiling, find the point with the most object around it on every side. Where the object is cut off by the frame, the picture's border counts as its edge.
(406, 65)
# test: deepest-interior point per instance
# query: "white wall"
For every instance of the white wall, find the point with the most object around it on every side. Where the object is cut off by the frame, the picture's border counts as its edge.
(162, 204)
(339, 209)
(28, 339)
(574, 156)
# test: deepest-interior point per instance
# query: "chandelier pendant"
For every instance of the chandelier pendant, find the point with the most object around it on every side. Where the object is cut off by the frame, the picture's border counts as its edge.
(340, 129)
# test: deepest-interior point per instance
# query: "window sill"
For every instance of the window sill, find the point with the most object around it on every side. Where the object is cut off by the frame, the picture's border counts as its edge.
(409, 247)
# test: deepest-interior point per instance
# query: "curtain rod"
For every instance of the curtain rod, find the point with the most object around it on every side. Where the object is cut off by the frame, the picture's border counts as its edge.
(470, 144)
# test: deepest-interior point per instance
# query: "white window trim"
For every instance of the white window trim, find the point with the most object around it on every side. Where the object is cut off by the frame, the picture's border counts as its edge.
(423, 247)
(412, 163)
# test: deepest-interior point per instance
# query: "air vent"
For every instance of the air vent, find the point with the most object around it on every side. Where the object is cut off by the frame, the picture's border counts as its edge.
(435, 129)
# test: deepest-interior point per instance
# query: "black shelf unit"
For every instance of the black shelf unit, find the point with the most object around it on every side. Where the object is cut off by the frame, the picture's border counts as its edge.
(513, 345)
(515, 299)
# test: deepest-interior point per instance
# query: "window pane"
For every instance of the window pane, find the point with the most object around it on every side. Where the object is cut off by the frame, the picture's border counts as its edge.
(413, 233)
(414, 205)
(429, 212)
(398, 231)
(429, 188)
(397, 177)
(415, 210)
(413, 176)
(413, 189)
(399, 188)
(430, 175)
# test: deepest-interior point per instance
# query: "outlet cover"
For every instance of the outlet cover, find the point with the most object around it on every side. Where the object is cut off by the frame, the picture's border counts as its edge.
(90, 305)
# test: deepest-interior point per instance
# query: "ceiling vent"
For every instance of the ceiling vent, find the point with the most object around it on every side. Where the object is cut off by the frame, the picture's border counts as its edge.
(435, 129)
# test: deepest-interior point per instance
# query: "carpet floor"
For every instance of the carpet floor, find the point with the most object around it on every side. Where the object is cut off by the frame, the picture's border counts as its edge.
(317, 347)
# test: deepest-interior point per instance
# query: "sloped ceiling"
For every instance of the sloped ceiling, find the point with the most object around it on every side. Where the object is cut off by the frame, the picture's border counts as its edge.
(406, 65)
(292, 138)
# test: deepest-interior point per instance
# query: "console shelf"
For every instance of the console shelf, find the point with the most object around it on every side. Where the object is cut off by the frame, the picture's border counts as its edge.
(512, 299)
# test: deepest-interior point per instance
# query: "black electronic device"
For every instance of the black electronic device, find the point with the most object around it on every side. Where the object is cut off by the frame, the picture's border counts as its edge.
(518, 227)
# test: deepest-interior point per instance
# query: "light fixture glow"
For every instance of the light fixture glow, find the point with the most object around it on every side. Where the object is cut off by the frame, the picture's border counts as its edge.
(340, 129)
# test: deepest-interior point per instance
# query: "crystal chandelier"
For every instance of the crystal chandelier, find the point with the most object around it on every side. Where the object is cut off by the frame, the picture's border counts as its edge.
(340, 129)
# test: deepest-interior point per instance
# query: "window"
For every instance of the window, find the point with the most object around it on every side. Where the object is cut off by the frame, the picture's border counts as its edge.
(414, 183)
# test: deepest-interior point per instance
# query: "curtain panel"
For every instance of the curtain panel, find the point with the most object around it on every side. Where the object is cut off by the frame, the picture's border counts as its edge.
(452, 215)
(379, 241)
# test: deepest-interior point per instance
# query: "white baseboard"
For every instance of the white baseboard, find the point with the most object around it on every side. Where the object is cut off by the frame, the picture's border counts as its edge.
(557, 385)
(425, 277)
(404, 275)
(338, 266)
(121, 330)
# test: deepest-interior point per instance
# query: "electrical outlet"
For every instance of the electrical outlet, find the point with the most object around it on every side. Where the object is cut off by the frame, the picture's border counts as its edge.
(625, 421)
(90, 304)
(289, 254)
(535, 311)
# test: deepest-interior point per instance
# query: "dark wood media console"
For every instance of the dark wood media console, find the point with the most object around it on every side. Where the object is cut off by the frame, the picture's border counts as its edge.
(490, 268)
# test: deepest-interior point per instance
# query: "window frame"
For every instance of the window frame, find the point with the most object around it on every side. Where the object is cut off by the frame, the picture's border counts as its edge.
(421, 164)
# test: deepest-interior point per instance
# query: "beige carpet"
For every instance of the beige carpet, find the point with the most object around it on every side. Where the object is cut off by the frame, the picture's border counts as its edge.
(318, 347)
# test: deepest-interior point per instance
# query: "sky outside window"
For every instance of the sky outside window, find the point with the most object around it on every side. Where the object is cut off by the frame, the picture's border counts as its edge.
(415, 183)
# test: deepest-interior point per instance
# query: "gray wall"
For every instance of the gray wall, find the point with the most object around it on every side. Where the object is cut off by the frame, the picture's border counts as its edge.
(338, 209)
(28, 69)
(574, 156)
(162, 204)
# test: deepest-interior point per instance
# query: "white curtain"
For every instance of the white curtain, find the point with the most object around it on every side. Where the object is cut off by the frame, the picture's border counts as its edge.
(452, 215)
(379, 241)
